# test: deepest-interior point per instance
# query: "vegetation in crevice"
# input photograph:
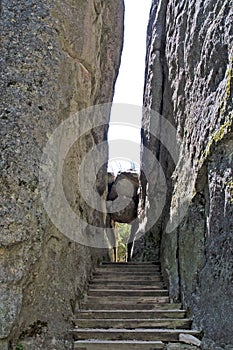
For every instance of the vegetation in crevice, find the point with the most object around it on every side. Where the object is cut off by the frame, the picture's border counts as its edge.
(19, 346)
(123, 235)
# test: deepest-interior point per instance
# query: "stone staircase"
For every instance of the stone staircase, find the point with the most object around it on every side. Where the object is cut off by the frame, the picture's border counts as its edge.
(127, 307)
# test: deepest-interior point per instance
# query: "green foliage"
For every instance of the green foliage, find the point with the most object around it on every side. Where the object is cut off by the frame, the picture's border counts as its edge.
(123, 235)
(19, 346)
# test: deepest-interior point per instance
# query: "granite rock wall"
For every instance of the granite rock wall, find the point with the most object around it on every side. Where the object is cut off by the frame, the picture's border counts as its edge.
(56, 59)
(189, 83)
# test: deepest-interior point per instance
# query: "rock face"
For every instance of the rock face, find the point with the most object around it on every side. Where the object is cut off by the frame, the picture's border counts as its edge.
(189, 83)
(56, 58)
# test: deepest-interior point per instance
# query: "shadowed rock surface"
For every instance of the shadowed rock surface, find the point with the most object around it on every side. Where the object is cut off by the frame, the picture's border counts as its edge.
(56, 58)
(189, 82)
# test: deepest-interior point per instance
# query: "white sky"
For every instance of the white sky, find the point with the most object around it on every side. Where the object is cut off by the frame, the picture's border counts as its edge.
(130, 82)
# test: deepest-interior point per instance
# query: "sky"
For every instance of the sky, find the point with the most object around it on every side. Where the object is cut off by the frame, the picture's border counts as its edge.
(130, 82)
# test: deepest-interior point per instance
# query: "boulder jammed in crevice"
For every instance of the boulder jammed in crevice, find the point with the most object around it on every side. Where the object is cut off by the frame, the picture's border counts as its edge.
(122, 204)
(189, 77)
(57, 58)
(123, 197)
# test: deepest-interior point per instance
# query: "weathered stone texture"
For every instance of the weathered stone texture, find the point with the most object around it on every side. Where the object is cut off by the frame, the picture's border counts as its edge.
(56, 58)
(189, 82)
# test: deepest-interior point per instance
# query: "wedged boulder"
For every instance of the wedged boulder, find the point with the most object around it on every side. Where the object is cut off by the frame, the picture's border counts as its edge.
(124, 211)
(125, 184)
(123, 197)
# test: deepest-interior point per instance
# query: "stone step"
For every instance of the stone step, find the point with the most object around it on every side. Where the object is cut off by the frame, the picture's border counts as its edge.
(142, 282)
(128, 293)
(132, 314)
(165, 335)
(133, 269)
(117, 345)
(128, 277)
(128, 300)
(105, 286)
(131, 263)
(126, 273)
(134, 323)
(128, 306)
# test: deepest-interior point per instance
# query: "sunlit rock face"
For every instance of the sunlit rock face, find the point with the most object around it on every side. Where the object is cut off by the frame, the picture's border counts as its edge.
(189, 83)
(56, 58)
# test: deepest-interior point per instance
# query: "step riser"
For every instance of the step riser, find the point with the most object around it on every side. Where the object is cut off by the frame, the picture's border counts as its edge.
(132, 315)
(129, 283)
(119, 346)
(170, 335)
(126, 273)
(127, 306)
(127, 293)
(128, 279)
(128, 300)
(131, 263)
(129, 269)
(97, 286)
(133, 324)
(128, 264)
